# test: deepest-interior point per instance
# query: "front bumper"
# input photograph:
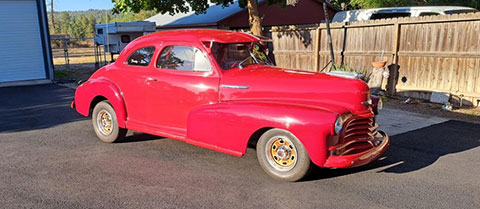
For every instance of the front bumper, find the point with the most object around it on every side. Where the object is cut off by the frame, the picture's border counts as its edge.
(381, 142)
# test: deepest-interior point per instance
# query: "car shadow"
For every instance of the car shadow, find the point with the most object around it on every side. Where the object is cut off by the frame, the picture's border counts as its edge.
(35, 107)
(415, 150)
(139, 137)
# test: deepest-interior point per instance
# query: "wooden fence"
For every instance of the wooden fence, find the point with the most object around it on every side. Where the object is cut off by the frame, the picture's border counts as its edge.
(425, 54)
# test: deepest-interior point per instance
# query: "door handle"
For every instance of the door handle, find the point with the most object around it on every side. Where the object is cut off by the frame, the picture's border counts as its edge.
(151, 79)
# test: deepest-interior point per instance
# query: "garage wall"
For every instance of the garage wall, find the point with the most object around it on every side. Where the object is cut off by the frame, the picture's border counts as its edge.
(25, 51)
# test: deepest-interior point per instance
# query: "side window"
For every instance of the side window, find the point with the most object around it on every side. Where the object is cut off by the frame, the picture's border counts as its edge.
(183, 58)
(201, 62)
(141, 57)
(125, 39)
(377, 16)
(428, 14)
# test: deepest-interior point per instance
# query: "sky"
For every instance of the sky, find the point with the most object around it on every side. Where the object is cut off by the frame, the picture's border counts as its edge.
(79, 5)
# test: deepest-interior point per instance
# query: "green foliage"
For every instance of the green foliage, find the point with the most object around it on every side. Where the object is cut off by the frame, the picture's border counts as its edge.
(385, 98)
(81, 24)
(384, 3)
(62, 75)
(346, 68)
(178, 6)
(198, 6)
(468, 3)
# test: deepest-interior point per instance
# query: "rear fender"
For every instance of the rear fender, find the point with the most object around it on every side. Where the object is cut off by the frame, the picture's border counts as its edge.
(88, 91)
(229, 126)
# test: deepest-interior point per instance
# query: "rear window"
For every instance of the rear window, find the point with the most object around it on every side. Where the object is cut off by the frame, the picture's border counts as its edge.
(141, 57)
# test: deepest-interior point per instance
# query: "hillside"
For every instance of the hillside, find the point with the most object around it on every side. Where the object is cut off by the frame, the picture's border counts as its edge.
(80, 24)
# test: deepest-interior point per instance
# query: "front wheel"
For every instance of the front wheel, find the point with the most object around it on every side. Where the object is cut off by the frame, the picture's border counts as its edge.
(105, 123)
(283, 156)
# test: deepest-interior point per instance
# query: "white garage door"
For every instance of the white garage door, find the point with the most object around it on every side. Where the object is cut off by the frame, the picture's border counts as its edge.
(21, 54)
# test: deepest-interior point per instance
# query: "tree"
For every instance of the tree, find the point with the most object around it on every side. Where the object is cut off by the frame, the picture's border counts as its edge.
(198, 6)
(65, 23)
(52, 14)
(83, 27)
(468, 3)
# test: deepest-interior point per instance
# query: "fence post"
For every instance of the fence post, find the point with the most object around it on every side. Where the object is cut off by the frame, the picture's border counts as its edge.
(344, 42)
(65, 53)
(316, 51)
(395, 47)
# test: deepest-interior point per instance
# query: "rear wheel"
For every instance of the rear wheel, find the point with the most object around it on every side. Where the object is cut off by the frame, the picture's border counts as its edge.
(105, 123)
(283, 156)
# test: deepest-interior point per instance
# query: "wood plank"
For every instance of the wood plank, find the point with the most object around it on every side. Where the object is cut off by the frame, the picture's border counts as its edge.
(476, 73)
(439, 54)
(317, 49)
(433, 52)
(395, 49)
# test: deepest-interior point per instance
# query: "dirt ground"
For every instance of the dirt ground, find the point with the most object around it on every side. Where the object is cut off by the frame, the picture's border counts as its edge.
(465, 113)
(82, 64)
(77, 72)
(76, 56)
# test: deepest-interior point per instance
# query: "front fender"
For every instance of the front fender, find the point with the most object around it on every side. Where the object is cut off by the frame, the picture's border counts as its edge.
(229, 125)
(88, 91)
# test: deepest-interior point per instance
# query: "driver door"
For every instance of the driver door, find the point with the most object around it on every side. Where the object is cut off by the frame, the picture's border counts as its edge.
(184, 79)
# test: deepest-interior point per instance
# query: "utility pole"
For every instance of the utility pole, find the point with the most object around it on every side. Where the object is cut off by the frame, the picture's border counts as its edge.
(52, 16)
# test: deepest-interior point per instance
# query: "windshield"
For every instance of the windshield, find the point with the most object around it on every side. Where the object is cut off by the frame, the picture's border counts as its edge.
(234, 55)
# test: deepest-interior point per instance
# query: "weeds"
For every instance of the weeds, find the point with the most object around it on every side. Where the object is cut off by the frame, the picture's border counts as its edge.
(62, 75)
(345, 68)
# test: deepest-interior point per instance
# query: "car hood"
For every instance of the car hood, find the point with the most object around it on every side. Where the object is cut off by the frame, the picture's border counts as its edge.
(273, 84)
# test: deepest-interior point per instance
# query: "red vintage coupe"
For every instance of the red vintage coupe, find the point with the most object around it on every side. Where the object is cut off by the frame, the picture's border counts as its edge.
(219, 90)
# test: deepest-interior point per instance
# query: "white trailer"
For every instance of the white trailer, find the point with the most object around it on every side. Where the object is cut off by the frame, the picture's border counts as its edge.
(115, 36)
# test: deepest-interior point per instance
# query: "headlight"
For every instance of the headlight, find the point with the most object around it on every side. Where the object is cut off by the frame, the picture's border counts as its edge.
(338, 125)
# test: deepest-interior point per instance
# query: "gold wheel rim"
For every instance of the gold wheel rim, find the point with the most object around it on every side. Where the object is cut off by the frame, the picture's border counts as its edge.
(105, 122)
(281, 153)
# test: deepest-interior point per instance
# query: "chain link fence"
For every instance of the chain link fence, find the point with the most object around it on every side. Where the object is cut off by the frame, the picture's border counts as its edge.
(74, 59)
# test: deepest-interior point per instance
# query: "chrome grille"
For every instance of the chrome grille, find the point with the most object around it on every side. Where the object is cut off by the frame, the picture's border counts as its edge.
(359, 128)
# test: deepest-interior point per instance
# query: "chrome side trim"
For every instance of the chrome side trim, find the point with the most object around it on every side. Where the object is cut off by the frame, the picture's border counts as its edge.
(234, 86)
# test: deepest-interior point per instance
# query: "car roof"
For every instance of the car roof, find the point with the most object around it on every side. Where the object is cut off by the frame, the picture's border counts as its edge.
(363, 14)
(203, 35)
(400, 9)
(190, 35)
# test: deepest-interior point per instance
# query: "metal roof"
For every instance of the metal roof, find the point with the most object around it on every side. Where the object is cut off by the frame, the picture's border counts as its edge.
(163, 19)
(124, 27)
(213, 14)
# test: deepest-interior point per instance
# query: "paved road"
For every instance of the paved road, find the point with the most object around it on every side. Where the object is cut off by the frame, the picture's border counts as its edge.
(50, 158)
